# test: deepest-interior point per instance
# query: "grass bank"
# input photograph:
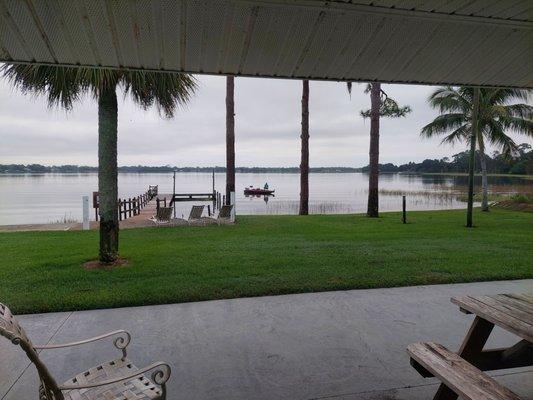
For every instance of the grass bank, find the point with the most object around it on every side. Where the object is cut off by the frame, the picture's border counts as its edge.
(262, 255)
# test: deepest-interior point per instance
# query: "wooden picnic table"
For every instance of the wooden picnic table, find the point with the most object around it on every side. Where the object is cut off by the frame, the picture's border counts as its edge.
(511, 312)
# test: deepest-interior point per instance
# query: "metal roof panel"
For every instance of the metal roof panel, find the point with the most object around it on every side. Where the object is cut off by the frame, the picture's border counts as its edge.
(413, 41)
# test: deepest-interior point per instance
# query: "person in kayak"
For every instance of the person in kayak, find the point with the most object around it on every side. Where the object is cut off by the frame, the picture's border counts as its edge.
(266, 186)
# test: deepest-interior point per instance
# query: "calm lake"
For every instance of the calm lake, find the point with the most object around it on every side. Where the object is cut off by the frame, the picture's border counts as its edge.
(45, 198)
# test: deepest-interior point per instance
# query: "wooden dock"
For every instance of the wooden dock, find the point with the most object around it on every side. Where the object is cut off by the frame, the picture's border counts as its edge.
(133, 212)
(143, 217)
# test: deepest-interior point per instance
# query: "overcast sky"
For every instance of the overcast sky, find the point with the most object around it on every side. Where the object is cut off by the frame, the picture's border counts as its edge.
(267, 127)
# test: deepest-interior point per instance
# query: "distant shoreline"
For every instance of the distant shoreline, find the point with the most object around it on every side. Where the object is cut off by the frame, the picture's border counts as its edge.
(272, 171)
(75, 169)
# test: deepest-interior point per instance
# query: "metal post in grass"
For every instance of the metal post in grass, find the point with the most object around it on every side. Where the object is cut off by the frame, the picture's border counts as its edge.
(214, 191)
(85, 212)
(404, 211)
(174, 193)
(232, 202)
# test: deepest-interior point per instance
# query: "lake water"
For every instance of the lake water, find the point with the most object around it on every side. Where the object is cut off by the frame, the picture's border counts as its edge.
(45, 198)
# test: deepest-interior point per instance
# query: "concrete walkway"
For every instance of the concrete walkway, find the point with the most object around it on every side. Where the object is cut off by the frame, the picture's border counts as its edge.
(336, 345)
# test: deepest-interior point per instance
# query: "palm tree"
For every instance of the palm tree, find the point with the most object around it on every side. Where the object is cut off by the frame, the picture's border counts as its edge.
(230, 138)
(304, 164)
(63, 86)
(381, 105)
(496, 117)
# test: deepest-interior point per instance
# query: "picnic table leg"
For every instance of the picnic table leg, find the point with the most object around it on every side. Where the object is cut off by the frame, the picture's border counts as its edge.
(473, 344)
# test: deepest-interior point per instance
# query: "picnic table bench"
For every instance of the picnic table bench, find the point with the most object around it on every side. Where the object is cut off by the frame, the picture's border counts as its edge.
(461, 373)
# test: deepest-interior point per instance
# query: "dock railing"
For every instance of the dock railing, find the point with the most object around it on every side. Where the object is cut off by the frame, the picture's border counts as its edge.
(128, 207)
(213, 197)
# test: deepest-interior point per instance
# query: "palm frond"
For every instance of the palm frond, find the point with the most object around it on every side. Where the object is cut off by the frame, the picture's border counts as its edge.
(449, 100)
(506, 95)
(443, 124)
(495, 133)
(63, 86)
(167, 91)
(517, 125)
(518, 110)
(496, 116)
(458, 135)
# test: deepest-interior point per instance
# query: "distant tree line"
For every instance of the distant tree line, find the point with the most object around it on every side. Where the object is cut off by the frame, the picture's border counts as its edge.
(519, 164)
(38, 168)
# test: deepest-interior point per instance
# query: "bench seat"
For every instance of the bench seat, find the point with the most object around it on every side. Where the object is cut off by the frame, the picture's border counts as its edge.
(457, 374)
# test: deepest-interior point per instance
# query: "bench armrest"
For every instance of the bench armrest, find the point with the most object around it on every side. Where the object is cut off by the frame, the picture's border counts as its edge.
(121, 342)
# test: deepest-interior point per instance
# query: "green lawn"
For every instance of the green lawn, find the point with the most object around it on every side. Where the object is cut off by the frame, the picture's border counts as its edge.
(41, 271)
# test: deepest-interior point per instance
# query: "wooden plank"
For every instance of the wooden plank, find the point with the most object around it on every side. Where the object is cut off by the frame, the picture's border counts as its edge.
(517, 308)
(496, 316)
(527, 296)
(472, 345)
(506, 305)
(519, 298)
(457, 374)
(518, 301)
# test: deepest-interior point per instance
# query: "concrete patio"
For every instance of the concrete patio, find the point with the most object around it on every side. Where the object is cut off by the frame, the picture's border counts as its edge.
(334, 345)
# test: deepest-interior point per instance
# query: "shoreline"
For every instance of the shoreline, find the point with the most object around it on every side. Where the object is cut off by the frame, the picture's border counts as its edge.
(521, 176)
(530, 177)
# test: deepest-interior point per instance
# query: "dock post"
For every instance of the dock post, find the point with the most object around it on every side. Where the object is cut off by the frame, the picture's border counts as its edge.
(174, 192)
(214, 191)
(85, 200)
(404, 212)
(232, 202)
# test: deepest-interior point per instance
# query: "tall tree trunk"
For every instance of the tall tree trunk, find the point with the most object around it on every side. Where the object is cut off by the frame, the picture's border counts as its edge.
(304, 163)
(107, 174)
(373, 178)
(472, 161)
(230, 137)
(484, 183)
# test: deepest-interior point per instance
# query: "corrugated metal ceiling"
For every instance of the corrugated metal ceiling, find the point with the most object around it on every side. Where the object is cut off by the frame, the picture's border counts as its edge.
(478, 42)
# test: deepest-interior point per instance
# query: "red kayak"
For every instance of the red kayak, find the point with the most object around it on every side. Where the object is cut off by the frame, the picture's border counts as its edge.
(258, 191)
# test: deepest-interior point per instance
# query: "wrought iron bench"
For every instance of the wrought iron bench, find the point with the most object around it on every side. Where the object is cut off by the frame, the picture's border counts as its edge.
(118, 379)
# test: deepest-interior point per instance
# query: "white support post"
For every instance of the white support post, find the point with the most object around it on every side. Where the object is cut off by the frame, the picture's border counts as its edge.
(85, 200)
(232, 202)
